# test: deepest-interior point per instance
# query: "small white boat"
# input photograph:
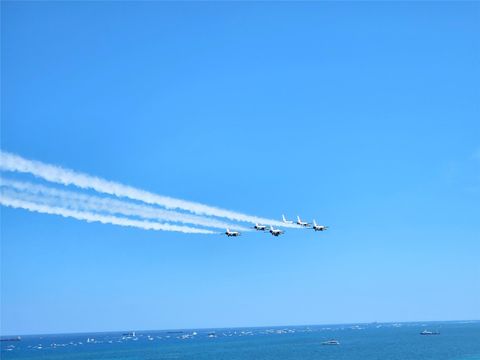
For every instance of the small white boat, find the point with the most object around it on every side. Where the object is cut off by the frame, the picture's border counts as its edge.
(426, 332)
(331, 342)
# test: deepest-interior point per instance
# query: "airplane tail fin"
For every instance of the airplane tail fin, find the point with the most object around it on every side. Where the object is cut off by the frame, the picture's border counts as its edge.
(284, 220)
(314, 222)
(228, 230)
(271, 227)
(298, 218)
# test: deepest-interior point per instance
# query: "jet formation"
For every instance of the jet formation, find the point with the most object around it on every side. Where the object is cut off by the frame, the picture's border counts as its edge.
(278, 232)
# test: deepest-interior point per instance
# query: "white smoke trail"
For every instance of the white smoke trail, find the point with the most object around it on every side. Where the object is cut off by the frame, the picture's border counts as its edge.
(77, 201)
(14, 202)
(12, 162)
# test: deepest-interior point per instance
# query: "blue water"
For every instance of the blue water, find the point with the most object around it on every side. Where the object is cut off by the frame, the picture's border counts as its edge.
(457, 340)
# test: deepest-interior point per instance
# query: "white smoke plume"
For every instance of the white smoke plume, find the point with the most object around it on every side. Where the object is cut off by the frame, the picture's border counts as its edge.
(18, 202)
(82, 202)
(56, 174)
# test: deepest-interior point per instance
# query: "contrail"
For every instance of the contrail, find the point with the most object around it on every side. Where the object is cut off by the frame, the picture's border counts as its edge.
(12, 162)
(13, 202)
(77, 201)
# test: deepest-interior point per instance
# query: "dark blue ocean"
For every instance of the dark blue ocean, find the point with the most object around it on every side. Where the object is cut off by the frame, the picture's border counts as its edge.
(402, 341)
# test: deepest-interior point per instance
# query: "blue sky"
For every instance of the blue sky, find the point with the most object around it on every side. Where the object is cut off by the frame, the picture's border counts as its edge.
(362, 115)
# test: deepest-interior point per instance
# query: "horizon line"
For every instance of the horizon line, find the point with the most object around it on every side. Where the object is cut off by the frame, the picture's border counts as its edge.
(245, 327)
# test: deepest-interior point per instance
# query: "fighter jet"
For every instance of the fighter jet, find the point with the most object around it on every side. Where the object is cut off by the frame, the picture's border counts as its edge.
(319, 227)
(275, 232)
(302, 223)
(285, 221)
(260, 227)
(232, 233)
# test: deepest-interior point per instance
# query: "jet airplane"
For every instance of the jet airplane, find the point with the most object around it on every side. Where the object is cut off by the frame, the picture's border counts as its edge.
(319, 227)
(260, 227)
(302, 223)
(285, 221)
(232, 233)
(275, 232)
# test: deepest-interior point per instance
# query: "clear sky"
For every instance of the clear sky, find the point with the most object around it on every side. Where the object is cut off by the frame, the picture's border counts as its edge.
(364, 116)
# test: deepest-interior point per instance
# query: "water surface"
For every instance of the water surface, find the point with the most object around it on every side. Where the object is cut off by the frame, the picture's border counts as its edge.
(402, 341)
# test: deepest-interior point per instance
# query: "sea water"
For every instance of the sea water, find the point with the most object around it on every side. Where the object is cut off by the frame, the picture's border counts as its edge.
(457, 340)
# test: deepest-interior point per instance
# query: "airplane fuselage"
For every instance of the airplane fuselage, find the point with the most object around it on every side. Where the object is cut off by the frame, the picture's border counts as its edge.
(232, 233)
(275, 232)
